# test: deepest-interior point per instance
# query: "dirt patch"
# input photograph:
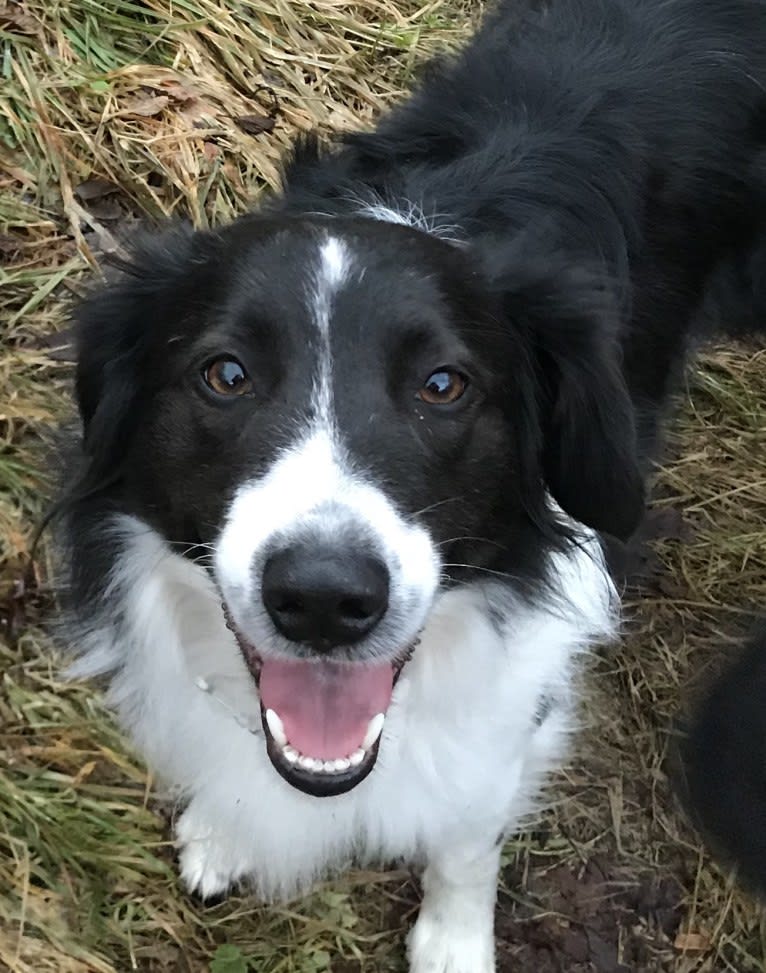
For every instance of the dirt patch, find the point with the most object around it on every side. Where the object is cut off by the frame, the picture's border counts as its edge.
(598, 919)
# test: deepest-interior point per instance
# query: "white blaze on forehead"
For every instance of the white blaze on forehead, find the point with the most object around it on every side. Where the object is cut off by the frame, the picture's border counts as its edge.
(331, 272)
(335, 262)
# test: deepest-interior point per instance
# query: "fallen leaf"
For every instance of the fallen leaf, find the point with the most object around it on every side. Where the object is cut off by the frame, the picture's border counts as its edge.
(255, 124)
(95, 188)
(147, 107)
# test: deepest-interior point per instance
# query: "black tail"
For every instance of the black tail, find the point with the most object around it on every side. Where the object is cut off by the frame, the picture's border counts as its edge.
(725, 764)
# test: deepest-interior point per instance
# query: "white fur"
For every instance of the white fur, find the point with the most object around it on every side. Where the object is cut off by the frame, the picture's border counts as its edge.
(454, 930)
(407, 213)
(461, 757)
(310, 490)
(331, 271)
(335, 263)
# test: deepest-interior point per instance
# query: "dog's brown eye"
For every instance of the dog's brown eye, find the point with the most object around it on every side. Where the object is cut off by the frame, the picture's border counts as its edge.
(226, 376)
(443, 387)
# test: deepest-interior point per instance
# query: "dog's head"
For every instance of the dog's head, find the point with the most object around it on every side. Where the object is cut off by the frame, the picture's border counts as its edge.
(350, 414)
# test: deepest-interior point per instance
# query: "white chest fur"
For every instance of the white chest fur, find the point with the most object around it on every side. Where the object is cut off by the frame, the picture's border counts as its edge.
(464, 744)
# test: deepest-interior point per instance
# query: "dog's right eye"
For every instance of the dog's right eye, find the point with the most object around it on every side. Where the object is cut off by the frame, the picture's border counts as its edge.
(225, 376)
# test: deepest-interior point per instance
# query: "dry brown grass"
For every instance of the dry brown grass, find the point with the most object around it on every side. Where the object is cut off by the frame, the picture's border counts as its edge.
(116, 109)
(713, 581)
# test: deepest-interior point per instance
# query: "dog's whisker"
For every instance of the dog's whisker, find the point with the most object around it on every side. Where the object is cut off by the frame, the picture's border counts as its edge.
(434, 506)
(469, 537)
(479, 567)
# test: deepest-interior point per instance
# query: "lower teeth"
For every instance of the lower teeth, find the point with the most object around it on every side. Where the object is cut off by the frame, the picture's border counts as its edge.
(316, 766)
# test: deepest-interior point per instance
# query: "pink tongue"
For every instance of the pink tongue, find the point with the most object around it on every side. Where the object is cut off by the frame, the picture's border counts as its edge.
(325, 707)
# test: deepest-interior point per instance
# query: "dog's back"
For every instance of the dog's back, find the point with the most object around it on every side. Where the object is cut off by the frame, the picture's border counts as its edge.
(586, 106)
(627, 136)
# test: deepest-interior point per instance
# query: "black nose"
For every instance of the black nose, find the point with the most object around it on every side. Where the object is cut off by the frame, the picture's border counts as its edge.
(324, 598)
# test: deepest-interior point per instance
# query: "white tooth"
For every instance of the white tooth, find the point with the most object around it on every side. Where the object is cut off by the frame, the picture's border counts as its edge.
(374, 730)
(290, 754)
(340, 765)
(356, 757)
(328, 766)
(276, 727)
(308, 763)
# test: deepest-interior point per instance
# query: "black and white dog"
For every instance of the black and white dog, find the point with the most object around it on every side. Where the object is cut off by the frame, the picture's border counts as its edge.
(335, 528)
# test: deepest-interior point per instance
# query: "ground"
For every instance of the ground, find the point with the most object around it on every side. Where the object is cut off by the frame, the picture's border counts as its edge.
(114, 110)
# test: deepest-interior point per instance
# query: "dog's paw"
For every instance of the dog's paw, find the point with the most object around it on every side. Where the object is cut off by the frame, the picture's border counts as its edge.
(206, 869)
(436, 946)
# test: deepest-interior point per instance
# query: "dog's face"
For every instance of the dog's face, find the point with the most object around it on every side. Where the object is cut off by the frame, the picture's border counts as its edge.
(345, 414)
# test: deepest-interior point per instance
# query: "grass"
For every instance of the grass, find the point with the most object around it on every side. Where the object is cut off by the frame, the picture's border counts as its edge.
(111, 111)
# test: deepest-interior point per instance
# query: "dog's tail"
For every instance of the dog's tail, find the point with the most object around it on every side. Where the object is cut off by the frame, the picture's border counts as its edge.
(724, 762)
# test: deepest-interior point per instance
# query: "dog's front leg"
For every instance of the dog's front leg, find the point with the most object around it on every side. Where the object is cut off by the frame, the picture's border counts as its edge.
(210, 864)
(454, 932)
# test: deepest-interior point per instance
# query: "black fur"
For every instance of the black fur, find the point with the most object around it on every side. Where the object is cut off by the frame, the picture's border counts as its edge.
(725, 759)
(622, 137)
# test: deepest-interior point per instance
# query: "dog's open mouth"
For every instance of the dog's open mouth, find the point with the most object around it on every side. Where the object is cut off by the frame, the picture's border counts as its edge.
(323, 720)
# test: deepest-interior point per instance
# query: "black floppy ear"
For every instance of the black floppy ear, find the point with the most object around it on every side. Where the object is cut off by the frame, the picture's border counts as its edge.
(114, 328)
(588, 451)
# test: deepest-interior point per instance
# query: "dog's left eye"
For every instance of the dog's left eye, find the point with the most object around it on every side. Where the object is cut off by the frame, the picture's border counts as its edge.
(225, 376)
(443, 387)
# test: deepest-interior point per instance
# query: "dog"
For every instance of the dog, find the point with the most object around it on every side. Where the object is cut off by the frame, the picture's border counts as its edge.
(335, 529)
(724, 759)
